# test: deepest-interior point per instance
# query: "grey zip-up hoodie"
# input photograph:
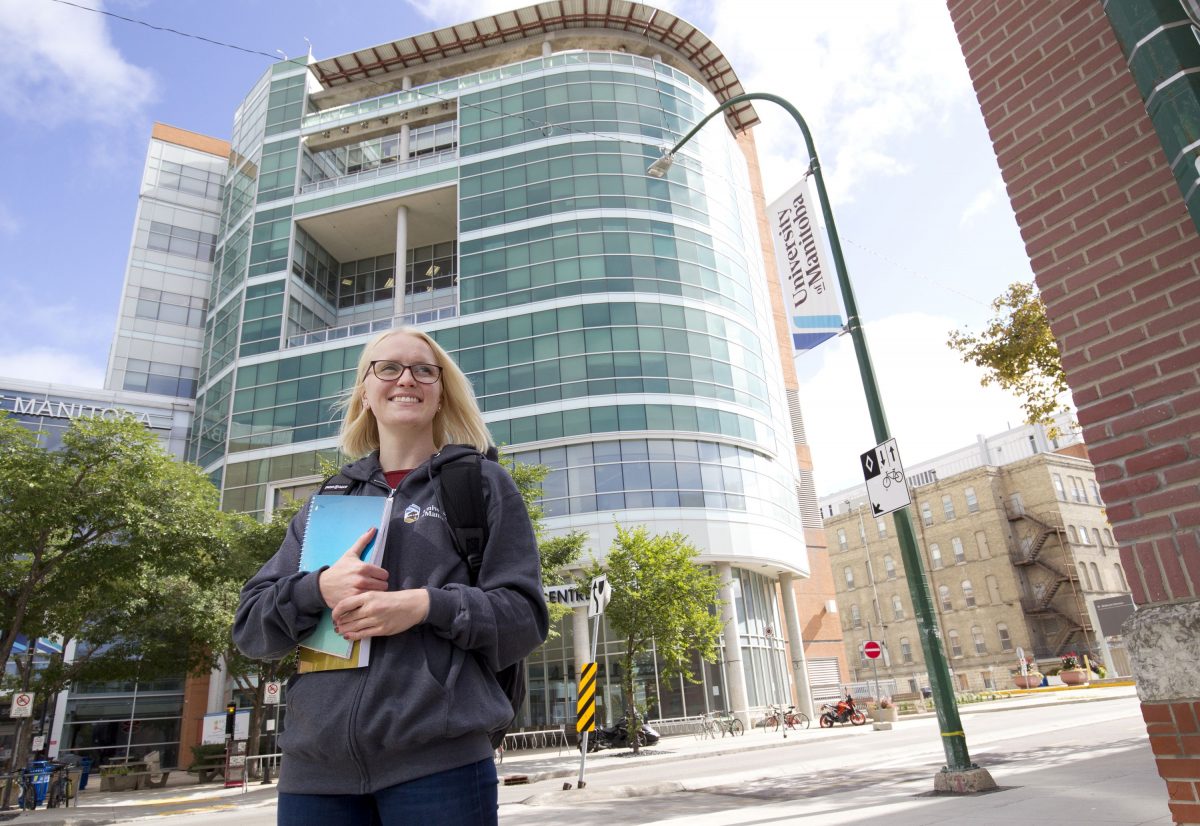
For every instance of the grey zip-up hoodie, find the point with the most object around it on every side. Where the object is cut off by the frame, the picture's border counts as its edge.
(428, 698)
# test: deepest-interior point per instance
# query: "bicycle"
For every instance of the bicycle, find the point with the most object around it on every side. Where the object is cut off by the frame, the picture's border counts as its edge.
(706, 726)
(728, 724)
(27, 794)
(791, 718)
(61, 790)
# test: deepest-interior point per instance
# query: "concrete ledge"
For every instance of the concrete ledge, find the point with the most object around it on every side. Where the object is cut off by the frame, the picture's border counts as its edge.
(882, 725)
(971, 781)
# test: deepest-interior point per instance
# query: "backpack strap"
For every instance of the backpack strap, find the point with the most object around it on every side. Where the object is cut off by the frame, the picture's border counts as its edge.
(462, 498)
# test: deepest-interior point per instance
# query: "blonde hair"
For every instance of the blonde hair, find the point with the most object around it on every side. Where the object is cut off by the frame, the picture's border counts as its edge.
(457, 422)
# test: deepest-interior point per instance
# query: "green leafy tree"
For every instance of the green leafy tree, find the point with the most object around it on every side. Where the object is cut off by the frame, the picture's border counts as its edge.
(660, 596)
(1018, 352)
(557, 552)
(95, 538)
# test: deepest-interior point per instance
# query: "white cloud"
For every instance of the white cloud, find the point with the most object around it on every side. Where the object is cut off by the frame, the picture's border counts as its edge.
(932, 400)
(60, 64)
(861, 81)
(51, 364)
(9, 225)
(51, 340)
(981, 203)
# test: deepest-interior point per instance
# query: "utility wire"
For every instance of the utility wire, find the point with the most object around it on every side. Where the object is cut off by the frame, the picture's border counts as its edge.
(165, 29)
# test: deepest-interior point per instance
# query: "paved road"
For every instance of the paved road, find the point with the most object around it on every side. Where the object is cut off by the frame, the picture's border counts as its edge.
(1070, 761)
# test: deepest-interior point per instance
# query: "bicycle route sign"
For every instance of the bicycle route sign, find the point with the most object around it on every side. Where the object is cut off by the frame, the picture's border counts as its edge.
(886, 486)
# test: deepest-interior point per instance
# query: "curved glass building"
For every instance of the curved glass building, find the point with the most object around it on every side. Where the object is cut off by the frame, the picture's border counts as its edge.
(487, 183)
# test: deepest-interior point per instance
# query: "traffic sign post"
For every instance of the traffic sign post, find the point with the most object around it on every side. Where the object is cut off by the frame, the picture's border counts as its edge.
(599, 593)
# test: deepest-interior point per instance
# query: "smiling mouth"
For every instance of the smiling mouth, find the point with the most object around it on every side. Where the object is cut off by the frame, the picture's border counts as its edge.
(405, 399)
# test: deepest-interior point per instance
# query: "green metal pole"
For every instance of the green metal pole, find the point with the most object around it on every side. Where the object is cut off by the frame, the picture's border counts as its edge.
(954, 741)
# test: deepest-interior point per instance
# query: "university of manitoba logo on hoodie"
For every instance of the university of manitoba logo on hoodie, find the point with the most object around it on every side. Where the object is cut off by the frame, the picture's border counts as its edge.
(413, 512)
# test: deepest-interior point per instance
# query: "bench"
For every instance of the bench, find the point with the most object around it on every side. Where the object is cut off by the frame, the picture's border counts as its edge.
(208, 763)
(914, 697)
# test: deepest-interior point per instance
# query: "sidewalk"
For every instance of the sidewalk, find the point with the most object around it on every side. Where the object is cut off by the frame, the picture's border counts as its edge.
(182, 794)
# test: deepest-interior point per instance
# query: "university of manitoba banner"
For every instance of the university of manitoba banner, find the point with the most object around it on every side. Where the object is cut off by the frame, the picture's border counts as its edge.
(808, 283)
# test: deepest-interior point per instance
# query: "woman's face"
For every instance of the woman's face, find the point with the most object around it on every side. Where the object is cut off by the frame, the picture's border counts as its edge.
(403, 405)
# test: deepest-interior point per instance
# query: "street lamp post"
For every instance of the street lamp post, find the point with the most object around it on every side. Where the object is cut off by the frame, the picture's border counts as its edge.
(959, 774)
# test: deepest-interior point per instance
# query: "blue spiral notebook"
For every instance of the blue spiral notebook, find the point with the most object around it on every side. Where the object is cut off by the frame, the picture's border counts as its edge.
(334, 524)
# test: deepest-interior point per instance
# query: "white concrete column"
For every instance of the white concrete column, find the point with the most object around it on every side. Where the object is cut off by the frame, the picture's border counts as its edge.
(796, 642)
(401, 261)
(216, 687)
(735, 674)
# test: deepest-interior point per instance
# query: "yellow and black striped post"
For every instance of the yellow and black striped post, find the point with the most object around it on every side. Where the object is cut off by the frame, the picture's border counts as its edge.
(585, 706)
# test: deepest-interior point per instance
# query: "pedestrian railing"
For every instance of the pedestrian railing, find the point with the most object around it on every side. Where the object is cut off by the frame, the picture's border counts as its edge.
(261, 767)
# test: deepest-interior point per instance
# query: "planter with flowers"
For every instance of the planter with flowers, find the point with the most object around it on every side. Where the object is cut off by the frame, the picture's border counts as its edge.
(886, 711)
(1072, 673)
(1032, 678)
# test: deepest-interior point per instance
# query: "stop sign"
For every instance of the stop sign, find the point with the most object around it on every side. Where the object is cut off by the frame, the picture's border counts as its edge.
(872, 650)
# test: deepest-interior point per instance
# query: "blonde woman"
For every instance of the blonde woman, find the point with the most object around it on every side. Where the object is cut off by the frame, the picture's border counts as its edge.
(404, 740)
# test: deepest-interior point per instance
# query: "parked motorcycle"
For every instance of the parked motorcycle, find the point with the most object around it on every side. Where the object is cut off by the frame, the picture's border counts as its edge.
(844, 712)
(617, 737)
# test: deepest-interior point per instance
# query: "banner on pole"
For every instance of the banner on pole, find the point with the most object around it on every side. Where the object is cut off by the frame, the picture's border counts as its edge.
(805, 277)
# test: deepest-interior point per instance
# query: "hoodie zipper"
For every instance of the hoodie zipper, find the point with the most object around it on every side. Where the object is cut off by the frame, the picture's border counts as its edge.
(375, 558)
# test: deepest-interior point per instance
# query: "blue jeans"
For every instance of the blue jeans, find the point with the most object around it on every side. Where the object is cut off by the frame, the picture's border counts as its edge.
(464, 796)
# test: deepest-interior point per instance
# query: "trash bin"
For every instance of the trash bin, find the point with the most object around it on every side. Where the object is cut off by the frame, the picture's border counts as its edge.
(37, 772)
(85, 763)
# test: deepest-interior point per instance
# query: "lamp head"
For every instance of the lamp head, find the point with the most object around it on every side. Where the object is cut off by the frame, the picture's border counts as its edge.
(659, 168)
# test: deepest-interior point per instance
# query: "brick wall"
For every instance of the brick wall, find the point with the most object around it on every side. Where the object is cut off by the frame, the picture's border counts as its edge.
(1117, 260)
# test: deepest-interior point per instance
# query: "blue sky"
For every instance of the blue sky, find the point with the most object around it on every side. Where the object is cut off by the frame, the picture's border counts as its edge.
(929, 236)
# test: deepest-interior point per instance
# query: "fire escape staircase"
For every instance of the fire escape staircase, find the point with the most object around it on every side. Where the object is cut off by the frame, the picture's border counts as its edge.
(1030, 555)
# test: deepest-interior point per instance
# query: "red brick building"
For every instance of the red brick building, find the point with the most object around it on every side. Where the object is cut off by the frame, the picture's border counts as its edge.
(1092, 110)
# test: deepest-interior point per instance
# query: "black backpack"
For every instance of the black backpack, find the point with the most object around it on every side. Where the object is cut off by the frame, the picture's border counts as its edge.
(461, 483)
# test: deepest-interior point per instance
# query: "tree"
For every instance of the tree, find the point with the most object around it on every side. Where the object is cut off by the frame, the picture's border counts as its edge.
(94, 539)
(1018, 352)
(557, 552)
(660, 596)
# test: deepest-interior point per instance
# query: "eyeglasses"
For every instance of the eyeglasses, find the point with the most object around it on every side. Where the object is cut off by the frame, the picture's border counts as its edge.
(393, 370)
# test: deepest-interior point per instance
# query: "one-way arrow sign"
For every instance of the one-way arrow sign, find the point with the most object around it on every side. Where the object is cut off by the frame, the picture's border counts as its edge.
(886, 487)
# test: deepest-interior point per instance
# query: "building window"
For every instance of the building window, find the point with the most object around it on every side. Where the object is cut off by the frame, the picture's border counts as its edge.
(1108, 538)
(1005, 639)
(1059, 490)
(855, 617)
(1083, 535)
(1077, 491)
(1095, 491)
(948, 506)
(988, 682)
(889, 567)
(982, 544)
(944, 597)
(972, 501)
(1096, 538)
(842, 543)
(897, 608)
(1071, 535)
(905, 650)
(993, 587)
(849, 572)
(1121, 583)
(960, 555)
(980, 642)
(955, 643)
(1096, 576)
(926, 514)
(968, 593)
(935, 555)
(879, 523)
(1083, 576)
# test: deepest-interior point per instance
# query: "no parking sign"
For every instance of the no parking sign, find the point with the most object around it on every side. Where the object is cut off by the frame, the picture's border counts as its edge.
(22, 705)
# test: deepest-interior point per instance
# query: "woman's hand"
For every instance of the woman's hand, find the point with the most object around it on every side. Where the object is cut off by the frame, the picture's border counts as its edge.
(350, 576)
(380, 614)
